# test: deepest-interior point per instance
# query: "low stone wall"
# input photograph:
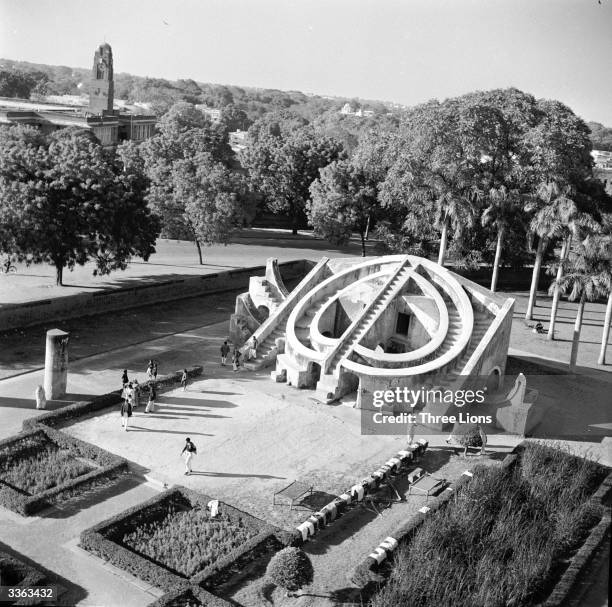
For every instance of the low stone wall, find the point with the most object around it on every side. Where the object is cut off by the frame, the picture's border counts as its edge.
(99, 302)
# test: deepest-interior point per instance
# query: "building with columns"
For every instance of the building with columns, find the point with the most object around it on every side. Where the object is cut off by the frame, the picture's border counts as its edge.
(109, 125)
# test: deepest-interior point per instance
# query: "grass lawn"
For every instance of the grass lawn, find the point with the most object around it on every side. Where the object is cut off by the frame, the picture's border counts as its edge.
(36, 464)
(504, 538)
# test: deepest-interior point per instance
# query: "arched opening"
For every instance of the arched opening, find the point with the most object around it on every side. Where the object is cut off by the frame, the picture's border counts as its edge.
(493, 383)
(263, 312)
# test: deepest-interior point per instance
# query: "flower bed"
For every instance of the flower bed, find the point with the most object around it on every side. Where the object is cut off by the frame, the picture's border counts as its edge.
(44, 466)
(186, 540)
(35, 464)
(160, 541)
(501, 539)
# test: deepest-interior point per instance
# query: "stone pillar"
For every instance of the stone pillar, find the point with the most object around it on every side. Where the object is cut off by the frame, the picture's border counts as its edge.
(56, 363)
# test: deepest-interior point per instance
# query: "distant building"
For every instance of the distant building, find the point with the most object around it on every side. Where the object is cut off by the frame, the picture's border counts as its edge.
(109, 125)
(213, 114)
(238, 140)
(347, 110)
(603, 168)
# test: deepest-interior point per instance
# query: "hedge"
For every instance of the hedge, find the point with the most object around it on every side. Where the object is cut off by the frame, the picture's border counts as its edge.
(107, 466)
(31, 577)
(190, 595)
(72, 412)
(104, 540)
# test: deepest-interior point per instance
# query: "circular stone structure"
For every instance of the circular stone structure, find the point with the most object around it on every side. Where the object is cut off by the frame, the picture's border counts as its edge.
(376, 324)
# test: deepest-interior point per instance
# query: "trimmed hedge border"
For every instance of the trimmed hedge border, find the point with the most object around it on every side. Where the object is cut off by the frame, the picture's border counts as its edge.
(180, 596)
(33, 576)
(103, 540)
(107, 466)
(72, 412)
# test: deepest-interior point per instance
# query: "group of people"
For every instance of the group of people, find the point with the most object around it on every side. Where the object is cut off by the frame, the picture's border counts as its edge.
(131, 394)
(236, 354)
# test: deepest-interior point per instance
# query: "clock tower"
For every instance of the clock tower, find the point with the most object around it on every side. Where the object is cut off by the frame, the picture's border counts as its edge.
(101, 93)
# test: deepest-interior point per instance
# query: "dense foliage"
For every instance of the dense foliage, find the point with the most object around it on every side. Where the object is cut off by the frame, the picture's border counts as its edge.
(474, 552)
(36, 464)
(187, 541)
(65, 201)
(290, 569)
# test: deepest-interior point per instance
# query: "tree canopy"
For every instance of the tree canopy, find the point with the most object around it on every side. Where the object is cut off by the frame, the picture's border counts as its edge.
(64, 201)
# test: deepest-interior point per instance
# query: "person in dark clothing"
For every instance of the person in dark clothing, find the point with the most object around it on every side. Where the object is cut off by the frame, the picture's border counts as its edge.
(126, 413)
(152, 396)
(189, 452)
(124, 378)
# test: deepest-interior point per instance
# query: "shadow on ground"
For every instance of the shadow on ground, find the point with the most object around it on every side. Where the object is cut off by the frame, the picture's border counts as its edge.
(71, 595)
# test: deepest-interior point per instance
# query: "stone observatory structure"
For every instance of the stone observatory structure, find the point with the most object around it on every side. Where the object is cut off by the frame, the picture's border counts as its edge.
(364, 325)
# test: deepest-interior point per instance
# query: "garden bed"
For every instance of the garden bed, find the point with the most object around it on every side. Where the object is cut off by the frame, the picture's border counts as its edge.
(503, 538)
(170, 540)
(43, 467)
(15, 572)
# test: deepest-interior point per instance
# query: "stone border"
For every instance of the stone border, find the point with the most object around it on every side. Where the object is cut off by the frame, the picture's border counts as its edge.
(103, 540)
(357, 492)
(34, 313)
(107, 467)
(585, 554)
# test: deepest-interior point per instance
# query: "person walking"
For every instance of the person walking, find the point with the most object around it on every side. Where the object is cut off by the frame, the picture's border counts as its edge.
(253, 350)
(154, 369)
(124, 378)
(224, 352)
(184, 379)
(150, 370)
(152, 396)
(126, 413)
(189, 452)
(236, 358)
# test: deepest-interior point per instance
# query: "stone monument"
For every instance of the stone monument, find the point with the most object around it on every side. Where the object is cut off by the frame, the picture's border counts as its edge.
(56, 363)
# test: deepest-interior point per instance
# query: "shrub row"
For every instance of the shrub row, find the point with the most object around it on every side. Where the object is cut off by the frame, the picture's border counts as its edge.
(104, 540)
(70, 413)
(368, 571)
(15, 572)
(108, 466)
(189, 596)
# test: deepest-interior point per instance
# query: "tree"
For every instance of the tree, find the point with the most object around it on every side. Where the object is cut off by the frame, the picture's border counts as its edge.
(184, 135)
(502, 207)
(606, 285)
(65, 202)
(587, 276)
(211, 196)
(343, 199)
(283, 167)
(290, 569)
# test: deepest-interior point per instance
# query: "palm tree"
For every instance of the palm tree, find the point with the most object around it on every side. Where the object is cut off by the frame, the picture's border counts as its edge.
(545, 226)
(502, 205)
(606, 285)
(456, 206)
(571, 223)
(587, 276)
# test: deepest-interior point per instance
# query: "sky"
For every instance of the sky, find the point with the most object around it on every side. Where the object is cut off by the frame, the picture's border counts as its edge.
(405, 51)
